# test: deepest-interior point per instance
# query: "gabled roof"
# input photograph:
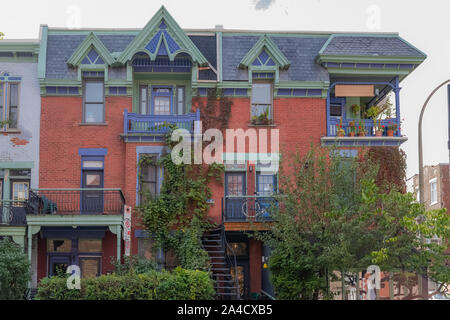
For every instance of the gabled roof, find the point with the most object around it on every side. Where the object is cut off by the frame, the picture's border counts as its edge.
(89, 43)
(162, 30)
(265, 43)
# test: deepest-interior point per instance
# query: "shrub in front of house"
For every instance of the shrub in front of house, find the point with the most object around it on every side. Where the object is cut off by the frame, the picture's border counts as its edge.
(180, 284)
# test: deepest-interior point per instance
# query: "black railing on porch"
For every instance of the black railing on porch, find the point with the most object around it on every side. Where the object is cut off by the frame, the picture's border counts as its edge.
(75, 201)
(12, 213)
(247, 208)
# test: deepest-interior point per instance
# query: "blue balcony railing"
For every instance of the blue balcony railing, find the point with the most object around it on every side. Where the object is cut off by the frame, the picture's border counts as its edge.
(368, 125)
(12, 213)
(247, 208)
(156, 124)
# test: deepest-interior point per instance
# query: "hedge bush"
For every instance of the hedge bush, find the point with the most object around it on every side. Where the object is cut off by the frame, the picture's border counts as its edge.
(14, 270)
(180, 284)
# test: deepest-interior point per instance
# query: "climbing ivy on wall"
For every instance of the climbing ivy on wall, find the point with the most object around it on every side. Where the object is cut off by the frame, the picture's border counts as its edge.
(216, 111)
(392, 167)
(178, 217)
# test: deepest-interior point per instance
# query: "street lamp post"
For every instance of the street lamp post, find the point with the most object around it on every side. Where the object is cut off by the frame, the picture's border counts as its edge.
(421, 177)
(424, 285)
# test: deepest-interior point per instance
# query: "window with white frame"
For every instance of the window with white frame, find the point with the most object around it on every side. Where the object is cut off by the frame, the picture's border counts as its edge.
(9, 105)
(94, 101)
(433, 191)
(262, 96)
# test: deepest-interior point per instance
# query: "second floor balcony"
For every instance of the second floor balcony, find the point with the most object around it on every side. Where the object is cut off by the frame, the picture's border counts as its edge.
(142, 127)
(12, 213)
(247, 208)
(88, 201)
(364, 113)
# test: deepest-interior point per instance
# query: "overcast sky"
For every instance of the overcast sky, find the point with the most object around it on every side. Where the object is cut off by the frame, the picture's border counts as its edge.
(426, 24)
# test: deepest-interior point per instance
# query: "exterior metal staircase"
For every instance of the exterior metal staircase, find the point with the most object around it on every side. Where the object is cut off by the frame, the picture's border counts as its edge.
(226, 284)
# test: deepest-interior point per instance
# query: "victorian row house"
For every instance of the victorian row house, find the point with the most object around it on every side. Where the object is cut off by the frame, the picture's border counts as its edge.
(79, 108)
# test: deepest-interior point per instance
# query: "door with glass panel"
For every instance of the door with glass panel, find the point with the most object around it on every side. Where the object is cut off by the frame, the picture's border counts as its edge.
(92, 201)
(266, 188)
(235, 190)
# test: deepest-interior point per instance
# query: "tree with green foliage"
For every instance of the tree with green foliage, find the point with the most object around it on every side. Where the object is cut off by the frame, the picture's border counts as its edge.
(14, 271)
(332, 216)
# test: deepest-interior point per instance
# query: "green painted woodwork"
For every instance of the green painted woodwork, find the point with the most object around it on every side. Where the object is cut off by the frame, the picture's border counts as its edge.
(17, 165)
(302, 85)
(219, 57)
(32, 47)
(369, 72)
(152, 27)
(38, 221)
(155, 80)
(369, 59)
(271, 48)
(293, 34)
(91, 41)
(17, 234)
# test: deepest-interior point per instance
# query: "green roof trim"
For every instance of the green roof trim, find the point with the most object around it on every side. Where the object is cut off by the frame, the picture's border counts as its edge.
(272, 49)
(91, 41)
(142, 39)
(42, 59)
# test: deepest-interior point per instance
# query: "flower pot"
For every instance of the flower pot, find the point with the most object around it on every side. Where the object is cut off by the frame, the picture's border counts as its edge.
(390, 133)
(361, 134)
(351, 134)
(340, 134)
(378, 133)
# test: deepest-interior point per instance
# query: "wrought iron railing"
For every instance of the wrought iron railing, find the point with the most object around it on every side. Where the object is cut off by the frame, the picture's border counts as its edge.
(157, 124)
(231, 260)
(368, 126)
(75, 201)
(12, 213)
(247, 208)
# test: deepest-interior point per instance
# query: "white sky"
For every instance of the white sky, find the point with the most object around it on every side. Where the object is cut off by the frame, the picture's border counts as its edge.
(425, 24)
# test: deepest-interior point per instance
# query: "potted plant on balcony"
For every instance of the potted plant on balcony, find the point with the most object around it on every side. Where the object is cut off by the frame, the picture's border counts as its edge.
(356, 108)
(351, 129)
(340, 129)
(362, 128)
(374, 113)
(392, 127)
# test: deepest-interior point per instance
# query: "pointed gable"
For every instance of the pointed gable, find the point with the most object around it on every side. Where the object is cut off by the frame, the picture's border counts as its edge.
(91, 52)
(162, 36)
(265, 53)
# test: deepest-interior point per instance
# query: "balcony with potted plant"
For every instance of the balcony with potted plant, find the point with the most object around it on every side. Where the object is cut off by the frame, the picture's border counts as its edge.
(362, 114)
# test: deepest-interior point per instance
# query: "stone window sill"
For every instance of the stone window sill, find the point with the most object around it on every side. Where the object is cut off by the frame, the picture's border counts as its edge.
(11, 131)
(272, 125)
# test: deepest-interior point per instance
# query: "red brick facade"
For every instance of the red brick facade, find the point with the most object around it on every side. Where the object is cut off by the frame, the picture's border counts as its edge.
(300, 121)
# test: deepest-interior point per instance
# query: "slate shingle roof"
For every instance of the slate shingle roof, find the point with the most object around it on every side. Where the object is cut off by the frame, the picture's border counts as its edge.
(300, 51)
(370, 46)
(61, 47)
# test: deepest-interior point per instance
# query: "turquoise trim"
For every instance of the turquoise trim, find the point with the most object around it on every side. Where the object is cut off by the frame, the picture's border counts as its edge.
(142, 39)
(83, 49)
(42, 60)
(17, 165)
(265, 43)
